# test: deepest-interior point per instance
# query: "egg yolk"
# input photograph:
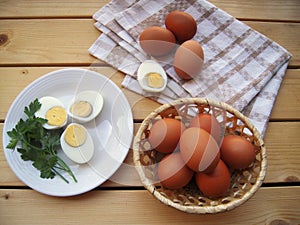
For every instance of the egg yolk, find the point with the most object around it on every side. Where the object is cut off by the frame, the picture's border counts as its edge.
(155, 80)
(81, 108)
(75, 135)
(56, 116)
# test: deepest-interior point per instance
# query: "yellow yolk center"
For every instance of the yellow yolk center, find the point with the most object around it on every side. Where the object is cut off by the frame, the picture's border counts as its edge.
(81, 108)
(56, 116)
(75, 135)
(155, 80)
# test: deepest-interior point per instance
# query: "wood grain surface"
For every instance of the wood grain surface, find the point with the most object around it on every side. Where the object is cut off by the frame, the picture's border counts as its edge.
(40, 42)
(242, 9)
(138, 207)
(15, 79)
(40, 36)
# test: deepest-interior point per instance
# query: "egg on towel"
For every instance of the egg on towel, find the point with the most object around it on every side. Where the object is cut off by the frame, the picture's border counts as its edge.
(151, 76)
(86, 106)
(54, 111)
(157, 41)
(188, 60)
(182, 25)
(77, 143)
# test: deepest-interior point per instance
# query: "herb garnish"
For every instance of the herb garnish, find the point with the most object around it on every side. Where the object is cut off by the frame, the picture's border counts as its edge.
(38, 144)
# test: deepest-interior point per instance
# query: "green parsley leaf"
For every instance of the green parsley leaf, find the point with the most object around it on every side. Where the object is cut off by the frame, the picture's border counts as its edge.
(37, 144)
(32, 108)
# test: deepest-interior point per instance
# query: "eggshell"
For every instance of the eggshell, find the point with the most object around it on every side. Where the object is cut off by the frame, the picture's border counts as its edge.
(150, 66)
(237, 152)
(172, 172)
(157, 41)
(199, 150)
(165, 133)
(47, 103)
(209, 123)
(188, 60)
(215, 184)
(82, 153)
(182, 25)
(94, 98)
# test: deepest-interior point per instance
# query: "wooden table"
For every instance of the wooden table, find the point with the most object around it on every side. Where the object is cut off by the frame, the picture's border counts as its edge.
(39, 36)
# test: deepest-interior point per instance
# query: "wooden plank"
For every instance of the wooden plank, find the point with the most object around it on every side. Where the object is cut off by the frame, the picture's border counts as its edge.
(267, 206)
(287, 104)
(40, 42)
(35, 42)
(282, 152)
(15, 79)
(41, 8)
(261, 9)
(283, 143)
(244, 9)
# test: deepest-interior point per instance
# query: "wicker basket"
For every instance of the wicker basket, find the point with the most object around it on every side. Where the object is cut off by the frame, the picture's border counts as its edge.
(244, 183)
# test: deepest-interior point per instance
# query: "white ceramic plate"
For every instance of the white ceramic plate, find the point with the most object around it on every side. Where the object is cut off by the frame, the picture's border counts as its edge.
(112, 131)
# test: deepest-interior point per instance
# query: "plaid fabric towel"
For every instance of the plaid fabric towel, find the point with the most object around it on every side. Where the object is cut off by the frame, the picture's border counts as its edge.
(241, 67)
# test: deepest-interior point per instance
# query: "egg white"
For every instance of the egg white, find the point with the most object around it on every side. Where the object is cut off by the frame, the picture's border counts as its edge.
(81, 154)
(48, 102)
(150, 66)
(92, 97)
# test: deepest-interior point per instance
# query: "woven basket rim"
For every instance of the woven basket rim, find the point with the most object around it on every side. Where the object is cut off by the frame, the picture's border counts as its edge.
(199, 209)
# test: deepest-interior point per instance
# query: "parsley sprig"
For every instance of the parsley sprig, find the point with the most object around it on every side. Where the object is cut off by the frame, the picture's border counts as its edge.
(38, 145)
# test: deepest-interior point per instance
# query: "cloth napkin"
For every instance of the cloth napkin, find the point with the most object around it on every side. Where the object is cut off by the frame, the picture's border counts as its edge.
(242, 67)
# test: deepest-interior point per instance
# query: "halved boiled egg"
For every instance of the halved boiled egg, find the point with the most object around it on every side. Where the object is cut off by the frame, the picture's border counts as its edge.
(151, 76)
(54, 111)
(85, 106)
(77, 143)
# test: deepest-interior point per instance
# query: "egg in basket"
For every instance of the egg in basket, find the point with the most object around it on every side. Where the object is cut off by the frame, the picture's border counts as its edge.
(210, 168)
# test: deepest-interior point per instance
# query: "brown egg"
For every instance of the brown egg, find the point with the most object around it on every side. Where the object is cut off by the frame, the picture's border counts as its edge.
(215, 184)
(199, 150)
(165, 133)
(172, 172)
(157, 41)
(188, 60)
(237, 152)
(182, 24)
(209, 123)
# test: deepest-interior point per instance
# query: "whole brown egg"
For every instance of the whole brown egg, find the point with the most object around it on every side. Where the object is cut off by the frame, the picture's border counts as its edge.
(157, 41)
(237, 152)
(199, 150)
(188, 60)
(209, 123)
(165, 133)
(182, 25)
(172, 171)
(216, 183)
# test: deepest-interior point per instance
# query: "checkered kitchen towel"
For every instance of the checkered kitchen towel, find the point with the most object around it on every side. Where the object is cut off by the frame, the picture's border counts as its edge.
(241, 67)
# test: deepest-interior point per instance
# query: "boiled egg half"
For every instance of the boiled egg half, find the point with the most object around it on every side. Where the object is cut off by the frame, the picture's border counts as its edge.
(77, 143)
(85, 106)
(54, 111)
(151, 76)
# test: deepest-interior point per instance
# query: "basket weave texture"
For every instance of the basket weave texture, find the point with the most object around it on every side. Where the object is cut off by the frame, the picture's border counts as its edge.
(244, 183)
